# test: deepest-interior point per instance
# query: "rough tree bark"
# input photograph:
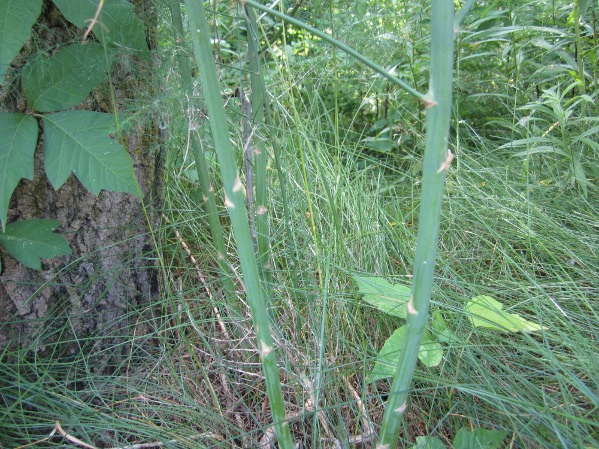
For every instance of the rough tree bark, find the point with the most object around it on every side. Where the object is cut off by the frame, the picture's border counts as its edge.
(91, 295)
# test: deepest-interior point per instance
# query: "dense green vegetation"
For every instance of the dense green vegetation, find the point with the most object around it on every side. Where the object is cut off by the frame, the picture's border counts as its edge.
(337, 164)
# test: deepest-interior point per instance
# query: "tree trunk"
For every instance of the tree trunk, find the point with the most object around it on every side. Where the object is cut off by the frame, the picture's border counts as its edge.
(95, 297)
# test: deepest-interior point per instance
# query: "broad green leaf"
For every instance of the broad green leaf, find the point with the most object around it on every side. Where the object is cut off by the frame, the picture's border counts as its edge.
(478, 438)
(16, 19)
(18, 137)
(79, 142)
(427, 442)
(29, 241)
(430, 354)
(388, 298)
(383, 144)
(486, 311)
(65, 79)
(431, 351)
(117, 24)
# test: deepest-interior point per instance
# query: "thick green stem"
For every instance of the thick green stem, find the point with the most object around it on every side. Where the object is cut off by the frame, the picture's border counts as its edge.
(261, 159)
(201, 166)
(437, 160)
(262, 102)
(235, 203)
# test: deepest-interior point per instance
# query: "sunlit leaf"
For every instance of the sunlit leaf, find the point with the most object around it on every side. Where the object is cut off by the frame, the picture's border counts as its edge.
(430, 354)
(384, 296)
(485, 311)
(431, 351)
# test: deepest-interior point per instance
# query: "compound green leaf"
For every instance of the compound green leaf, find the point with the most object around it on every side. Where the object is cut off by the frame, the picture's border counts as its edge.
(485, 311)
(386, 297)
(65, 79)
(16, 19)
(29, 241)
(117, 24)
(478, 438)
(18, 137)
(79, 142)
(430, 354)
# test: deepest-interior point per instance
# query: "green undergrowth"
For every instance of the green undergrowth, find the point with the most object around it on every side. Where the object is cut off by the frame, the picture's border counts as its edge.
(193, 378)
(187, 373)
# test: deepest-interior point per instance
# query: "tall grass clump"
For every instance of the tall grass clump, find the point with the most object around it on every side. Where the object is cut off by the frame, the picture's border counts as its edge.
(235, 203)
